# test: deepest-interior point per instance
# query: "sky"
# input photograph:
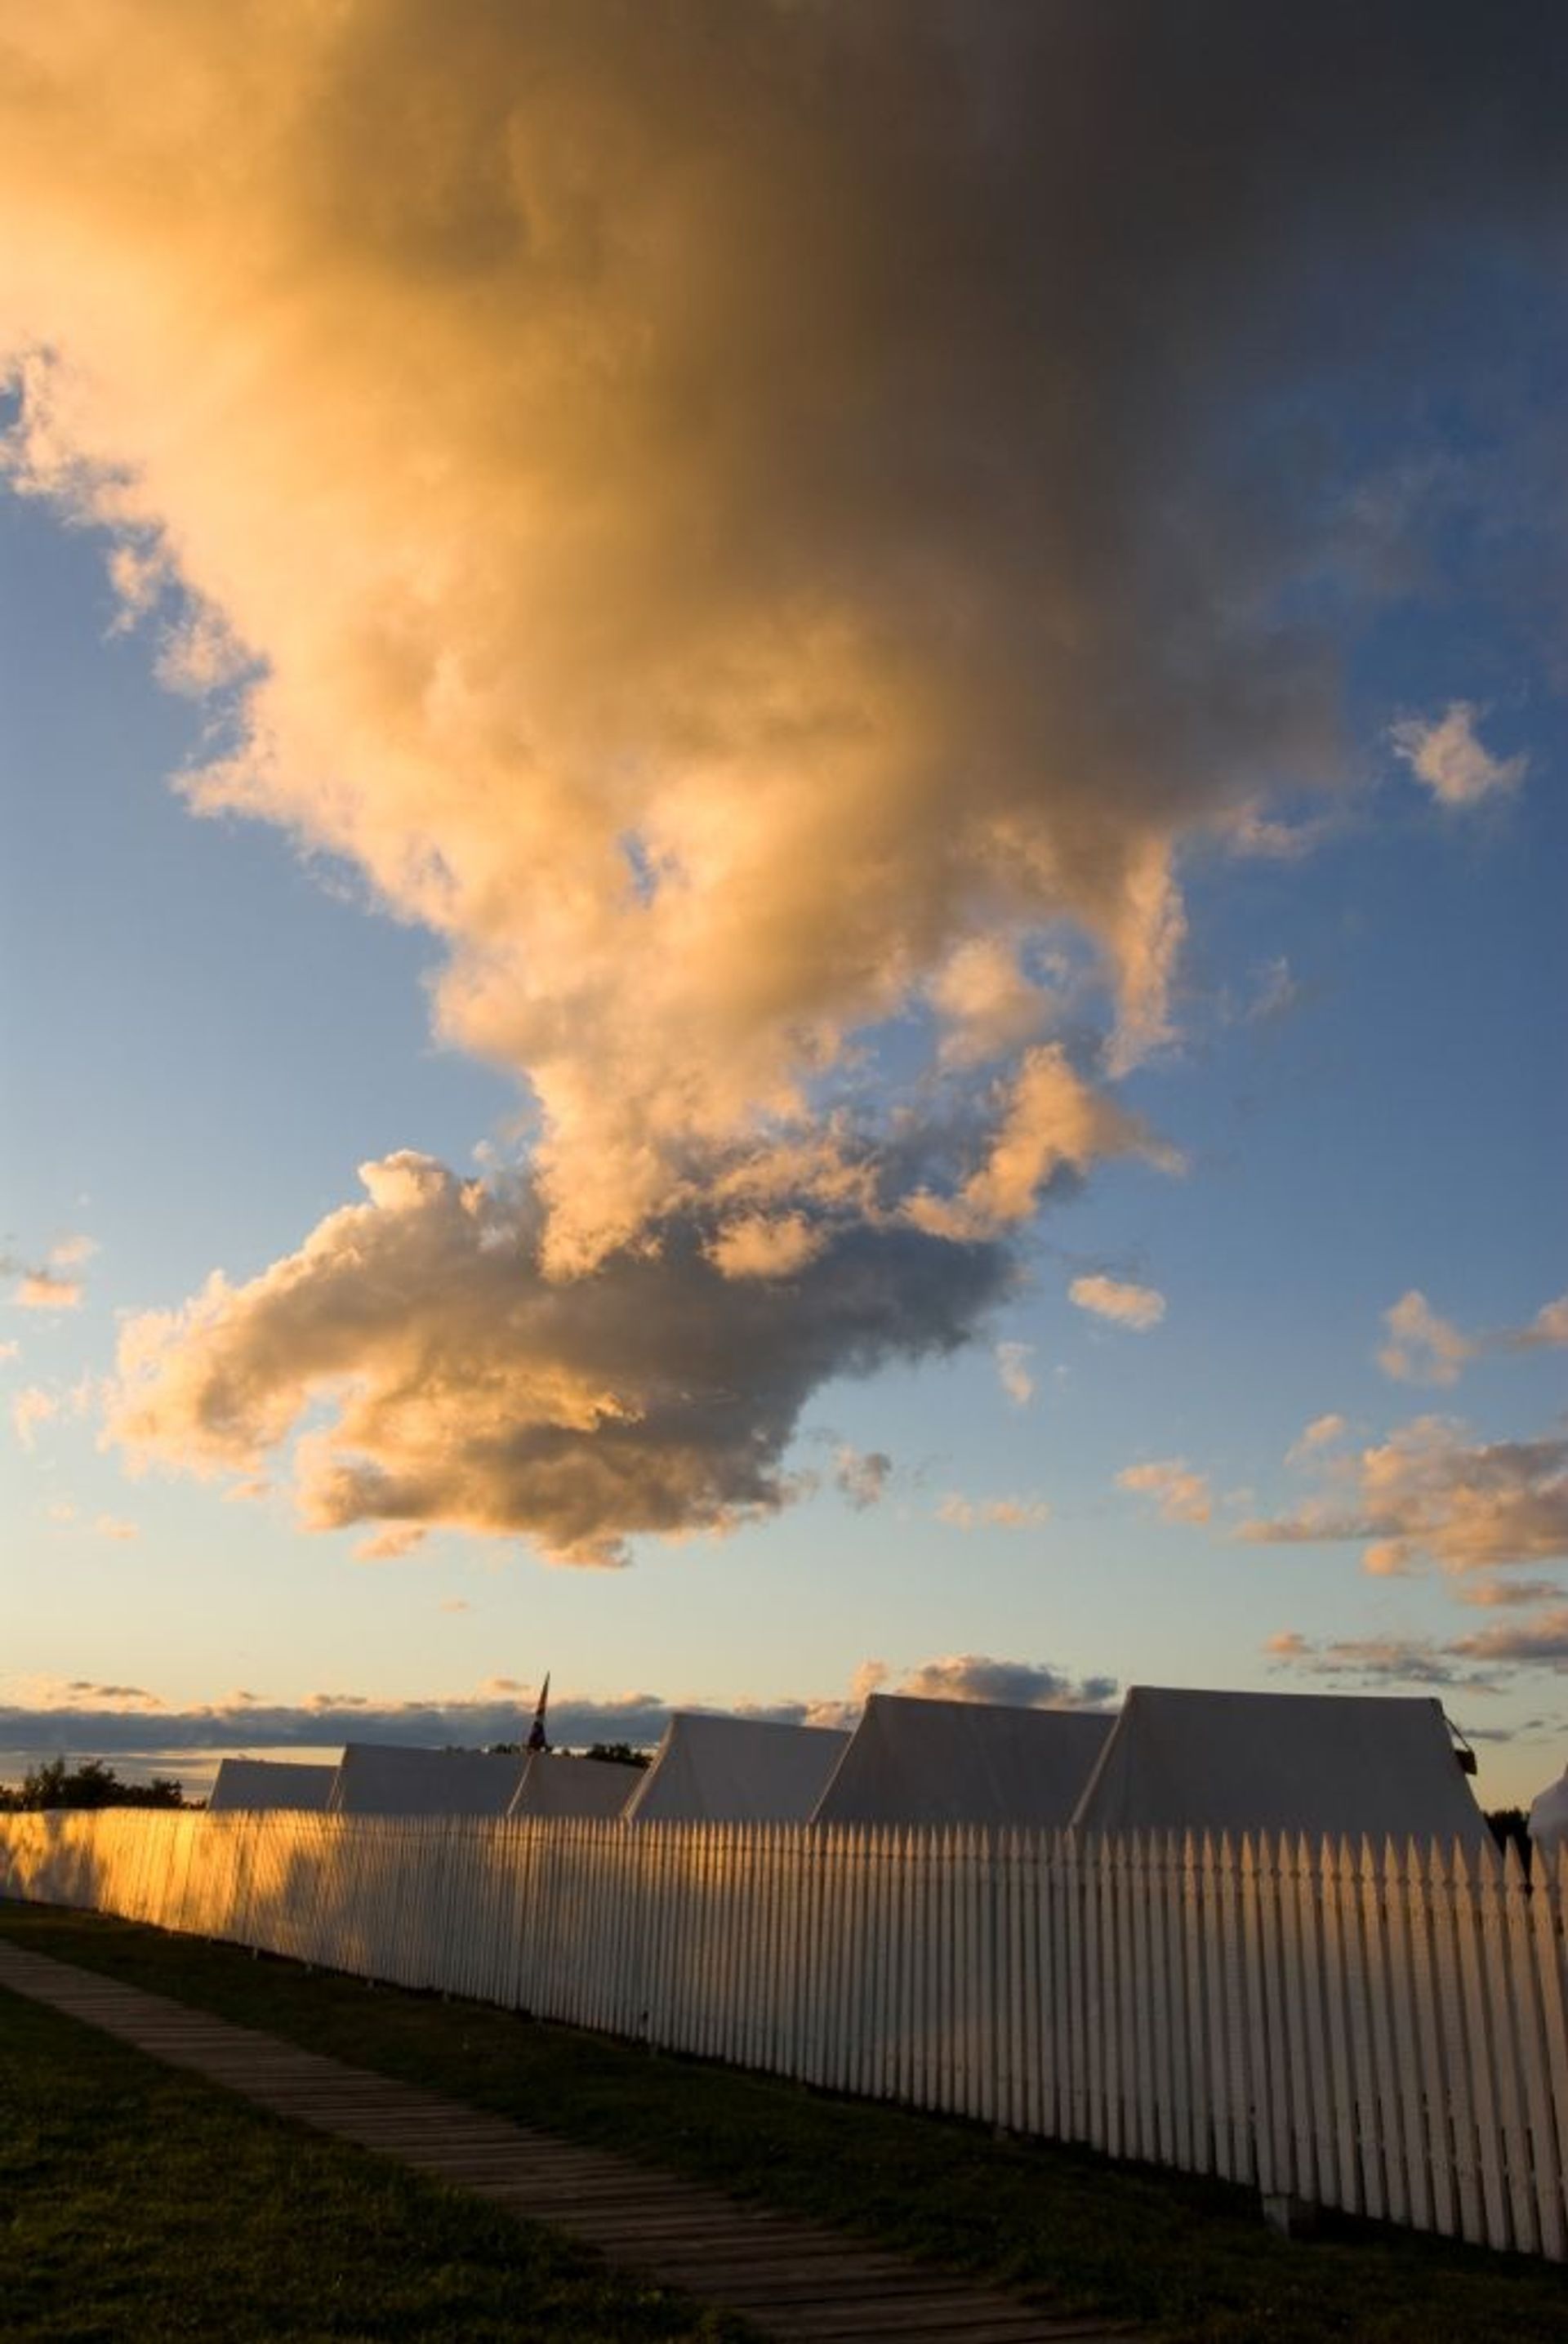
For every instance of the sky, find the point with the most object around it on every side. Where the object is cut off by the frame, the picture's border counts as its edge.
(785, 858)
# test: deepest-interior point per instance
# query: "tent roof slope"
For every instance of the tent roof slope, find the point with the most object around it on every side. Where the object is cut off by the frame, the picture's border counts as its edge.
(245, 1785)
(1342, 1765)
(735, 1770)
(555, 1785)
(381, 1778)
(911, 1761)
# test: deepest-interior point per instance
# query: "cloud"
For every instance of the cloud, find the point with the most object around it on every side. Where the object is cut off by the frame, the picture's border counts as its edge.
(1380, 1661)
(392, 1544)
(1053, 1125)
(805, 492)
(54, 1713)
(1423, 1349)
(1482, 1661)
(73, 1250)
(1016, 1684)
(49, 1285)
(1548, 1327)
(1427, 1494)
(46, 1289)
(9, 1351)
(1120, 1300)
(1447, 756)
(1257, 836)
(1321, 1434)
(988, 1007)
(1540, 1643)
(1508, 1594)
(754, 1246)
(963, 1513)
(1280, 991)
(78, 1691)
(463, 1386)
(456, 1603)
(31, 1407)
(1181, 1495)
(862, 1475)
(803, 528)
(111, 1526)
(1013, 1369)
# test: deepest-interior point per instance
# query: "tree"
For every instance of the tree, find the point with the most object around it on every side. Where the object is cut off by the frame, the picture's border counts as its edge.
(619, 1753)
(56, 1783)
(1510, 1824)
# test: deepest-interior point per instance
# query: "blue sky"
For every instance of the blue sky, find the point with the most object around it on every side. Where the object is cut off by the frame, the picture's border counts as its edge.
(1123, 855)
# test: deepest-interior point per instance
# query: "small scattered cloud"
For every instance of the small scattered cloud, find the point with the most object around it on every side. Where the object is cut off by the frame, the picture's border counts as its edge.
(1321, 1434)
(1424, 1349)
(1421, 1349)
(390, 1545)
(1118, 1299)
(47, 1290)
(1013, 1369)
(72, 1251)
(111, 1526)
(455, 1604)
(79, 1690)
(1053, 1125)
(1448, 756)
(1508, 1594)
(1279, 991)
(961, 1514)
(1379, 1660)
(862, 1476)
(30, 1409)
(9, 1351)
(1015, 1684)
(1537, 1643)
(1427, 1494)
(1180, 1494)
(50, 1285)
(1259, 837)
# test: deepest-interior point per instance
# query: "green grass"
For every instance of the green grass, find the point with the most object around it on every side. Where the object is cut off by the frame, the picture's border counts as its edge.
(1191, 2259)
(137, 2206)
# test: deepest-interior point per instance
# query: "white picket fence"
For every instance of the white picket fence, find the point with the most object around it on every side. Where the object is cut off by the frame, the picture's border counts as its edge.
(1385, 2031)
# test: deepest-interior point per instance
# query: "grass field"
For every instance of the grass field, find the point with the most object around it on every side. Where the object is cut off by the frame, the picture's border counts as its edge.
(1190, 2258)
(137, 2206)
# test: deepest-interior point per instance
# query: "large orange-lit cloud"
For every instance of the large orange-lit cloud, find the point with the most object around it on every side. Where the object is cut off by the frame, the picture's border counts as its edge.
(459, 1385)
(749, 522)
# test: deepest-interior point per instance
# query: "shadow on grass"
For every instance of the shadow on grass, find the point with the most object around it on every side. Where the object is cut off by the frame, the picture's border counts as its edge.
(1190, 2258)
(139, 2206)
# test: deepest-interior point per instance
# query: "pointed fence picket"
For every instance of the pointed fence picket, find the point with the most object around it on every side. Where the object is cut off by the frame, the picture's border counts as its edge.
(1380, 2029)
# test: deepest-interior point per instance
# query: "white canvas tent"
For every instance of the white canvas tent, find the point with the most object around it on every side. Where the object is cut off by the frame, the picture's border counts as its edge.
(554, 1785)
(735, 1770)
(1549, 1817)
(378, 1778)
(249, 1784)
(1249, 1762)
(962, 1762)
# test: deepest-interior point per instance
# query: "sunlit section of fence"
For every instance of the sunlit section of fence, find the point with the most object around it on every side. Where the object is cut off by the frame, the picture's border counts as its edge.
(1384, 2030)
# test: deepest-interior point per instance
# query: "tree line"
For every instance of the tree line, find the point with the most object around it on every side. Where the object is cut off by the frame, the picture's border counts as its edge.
(56, 1784)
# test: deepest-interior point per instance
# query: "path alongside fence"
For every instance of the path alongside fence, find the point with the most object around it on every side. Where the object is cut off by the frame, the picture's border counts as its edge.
(791, 2280)
(1384, 2031)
